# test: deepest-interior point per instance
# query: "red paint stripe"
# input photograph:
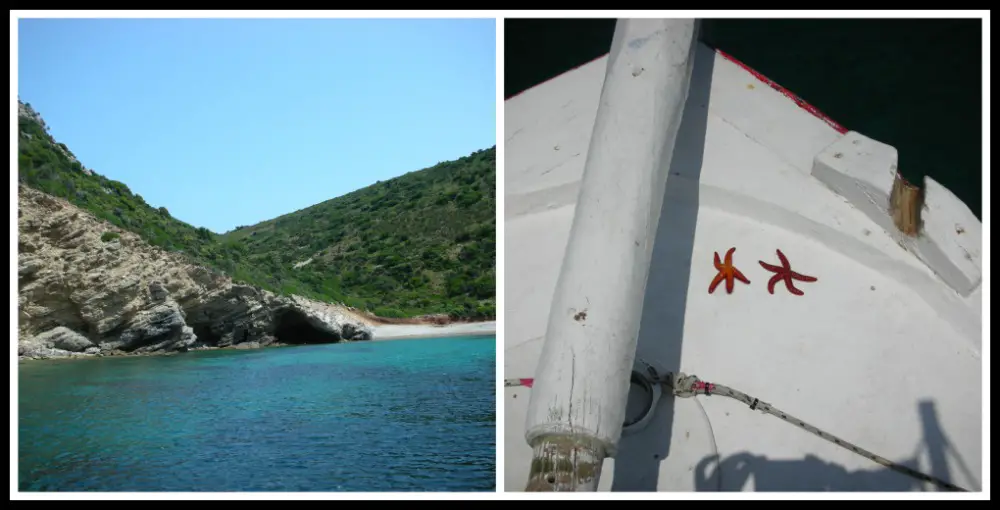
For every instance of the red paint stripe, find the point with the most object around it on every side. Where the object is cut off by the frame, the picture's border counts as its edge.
(787, 93)
(519, 382)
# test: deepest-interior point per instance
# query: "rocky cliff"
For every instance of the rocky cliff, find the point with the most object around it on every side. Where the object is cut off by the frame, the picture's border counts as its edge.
(86, 287)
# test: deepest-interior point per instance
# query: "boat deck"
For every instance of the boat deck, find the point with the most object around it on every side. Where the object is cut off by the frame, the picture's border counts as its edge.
(878, 350)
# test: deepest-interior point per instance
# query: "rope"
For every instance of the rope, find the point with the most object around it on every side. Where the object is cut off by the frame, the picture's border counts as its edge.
(689, 386)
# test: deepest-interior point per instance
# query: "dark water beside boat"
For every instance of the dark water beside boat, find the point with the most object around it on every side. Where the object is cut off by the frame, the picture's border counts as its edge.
(407, 415)
(913, 84)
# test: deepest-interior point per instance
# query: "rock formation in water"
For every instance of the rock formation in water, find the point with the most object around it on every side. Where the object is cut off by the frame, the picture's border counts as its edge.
(86, 287)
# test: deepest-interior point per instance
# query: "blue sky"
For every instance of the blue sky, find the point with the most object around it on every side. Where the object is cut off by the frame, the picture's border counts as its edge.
(231, 122)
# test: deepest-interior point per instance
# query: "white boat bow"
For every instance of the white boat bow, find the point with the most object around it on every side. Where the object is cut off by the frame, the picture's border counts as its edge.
(881, 347)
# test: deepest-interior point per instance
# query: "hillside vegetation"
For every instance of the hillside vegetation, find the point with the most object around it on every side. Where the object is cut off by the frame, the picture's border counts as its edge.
(421, 243)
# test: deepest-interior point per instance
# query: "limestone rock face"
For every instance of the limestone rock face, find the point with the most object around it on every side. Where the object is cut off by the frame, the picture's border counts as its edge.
(55, 343)
(160, 327)
(80, 295)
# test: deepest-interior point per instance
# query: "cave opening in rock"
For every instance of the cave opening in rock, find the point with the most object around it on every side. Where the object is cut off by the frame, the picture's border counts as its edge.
(292, 327)
(205, 334)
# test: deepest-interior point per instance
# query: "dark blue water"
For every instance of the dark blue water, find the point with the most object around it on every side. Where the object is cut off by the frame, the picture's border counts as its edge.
(408, 415)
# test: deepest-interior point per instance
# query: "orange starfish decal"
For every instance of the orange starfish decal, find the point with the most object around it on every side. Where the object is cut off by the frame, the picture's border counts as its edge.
(785, 273)
(726, 272)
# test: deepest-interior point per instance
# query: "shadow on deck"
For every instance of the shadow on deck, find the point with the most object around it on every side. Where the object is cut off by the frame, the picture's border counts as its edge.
(662, 324)
(812, 473)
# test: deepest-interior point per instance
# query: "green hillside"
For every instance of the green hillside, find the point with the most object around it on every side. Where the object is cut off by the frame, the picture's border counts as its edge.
(417, 244)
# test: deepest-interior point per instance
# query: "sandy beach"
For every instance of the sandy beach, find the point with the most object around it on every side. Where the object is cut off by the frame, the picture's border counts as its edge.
(400, 331)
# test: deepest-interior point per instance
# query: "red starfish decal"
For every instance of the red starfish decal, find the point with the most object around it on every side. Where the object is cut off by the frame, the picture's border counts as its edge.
(785, 273)
(726, 272)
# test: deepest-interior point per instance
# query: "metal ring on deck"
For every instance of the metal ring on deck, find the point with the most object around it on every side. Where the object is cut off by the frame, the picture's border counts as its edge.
(642, 376)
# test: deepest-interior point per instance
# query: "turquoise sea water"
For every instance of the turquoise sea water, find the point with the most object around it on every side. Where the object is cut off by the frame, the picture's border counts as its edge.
(405, 415)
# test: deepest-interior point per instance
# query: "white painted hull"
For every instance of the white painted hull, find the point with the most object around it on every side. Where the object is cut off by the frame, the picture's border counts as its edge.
(879, 351)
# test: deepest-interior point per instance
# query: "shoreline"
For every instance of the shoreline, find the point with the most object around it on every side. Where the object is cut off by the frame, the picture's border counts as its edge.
(383, 332)
(380, 333)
